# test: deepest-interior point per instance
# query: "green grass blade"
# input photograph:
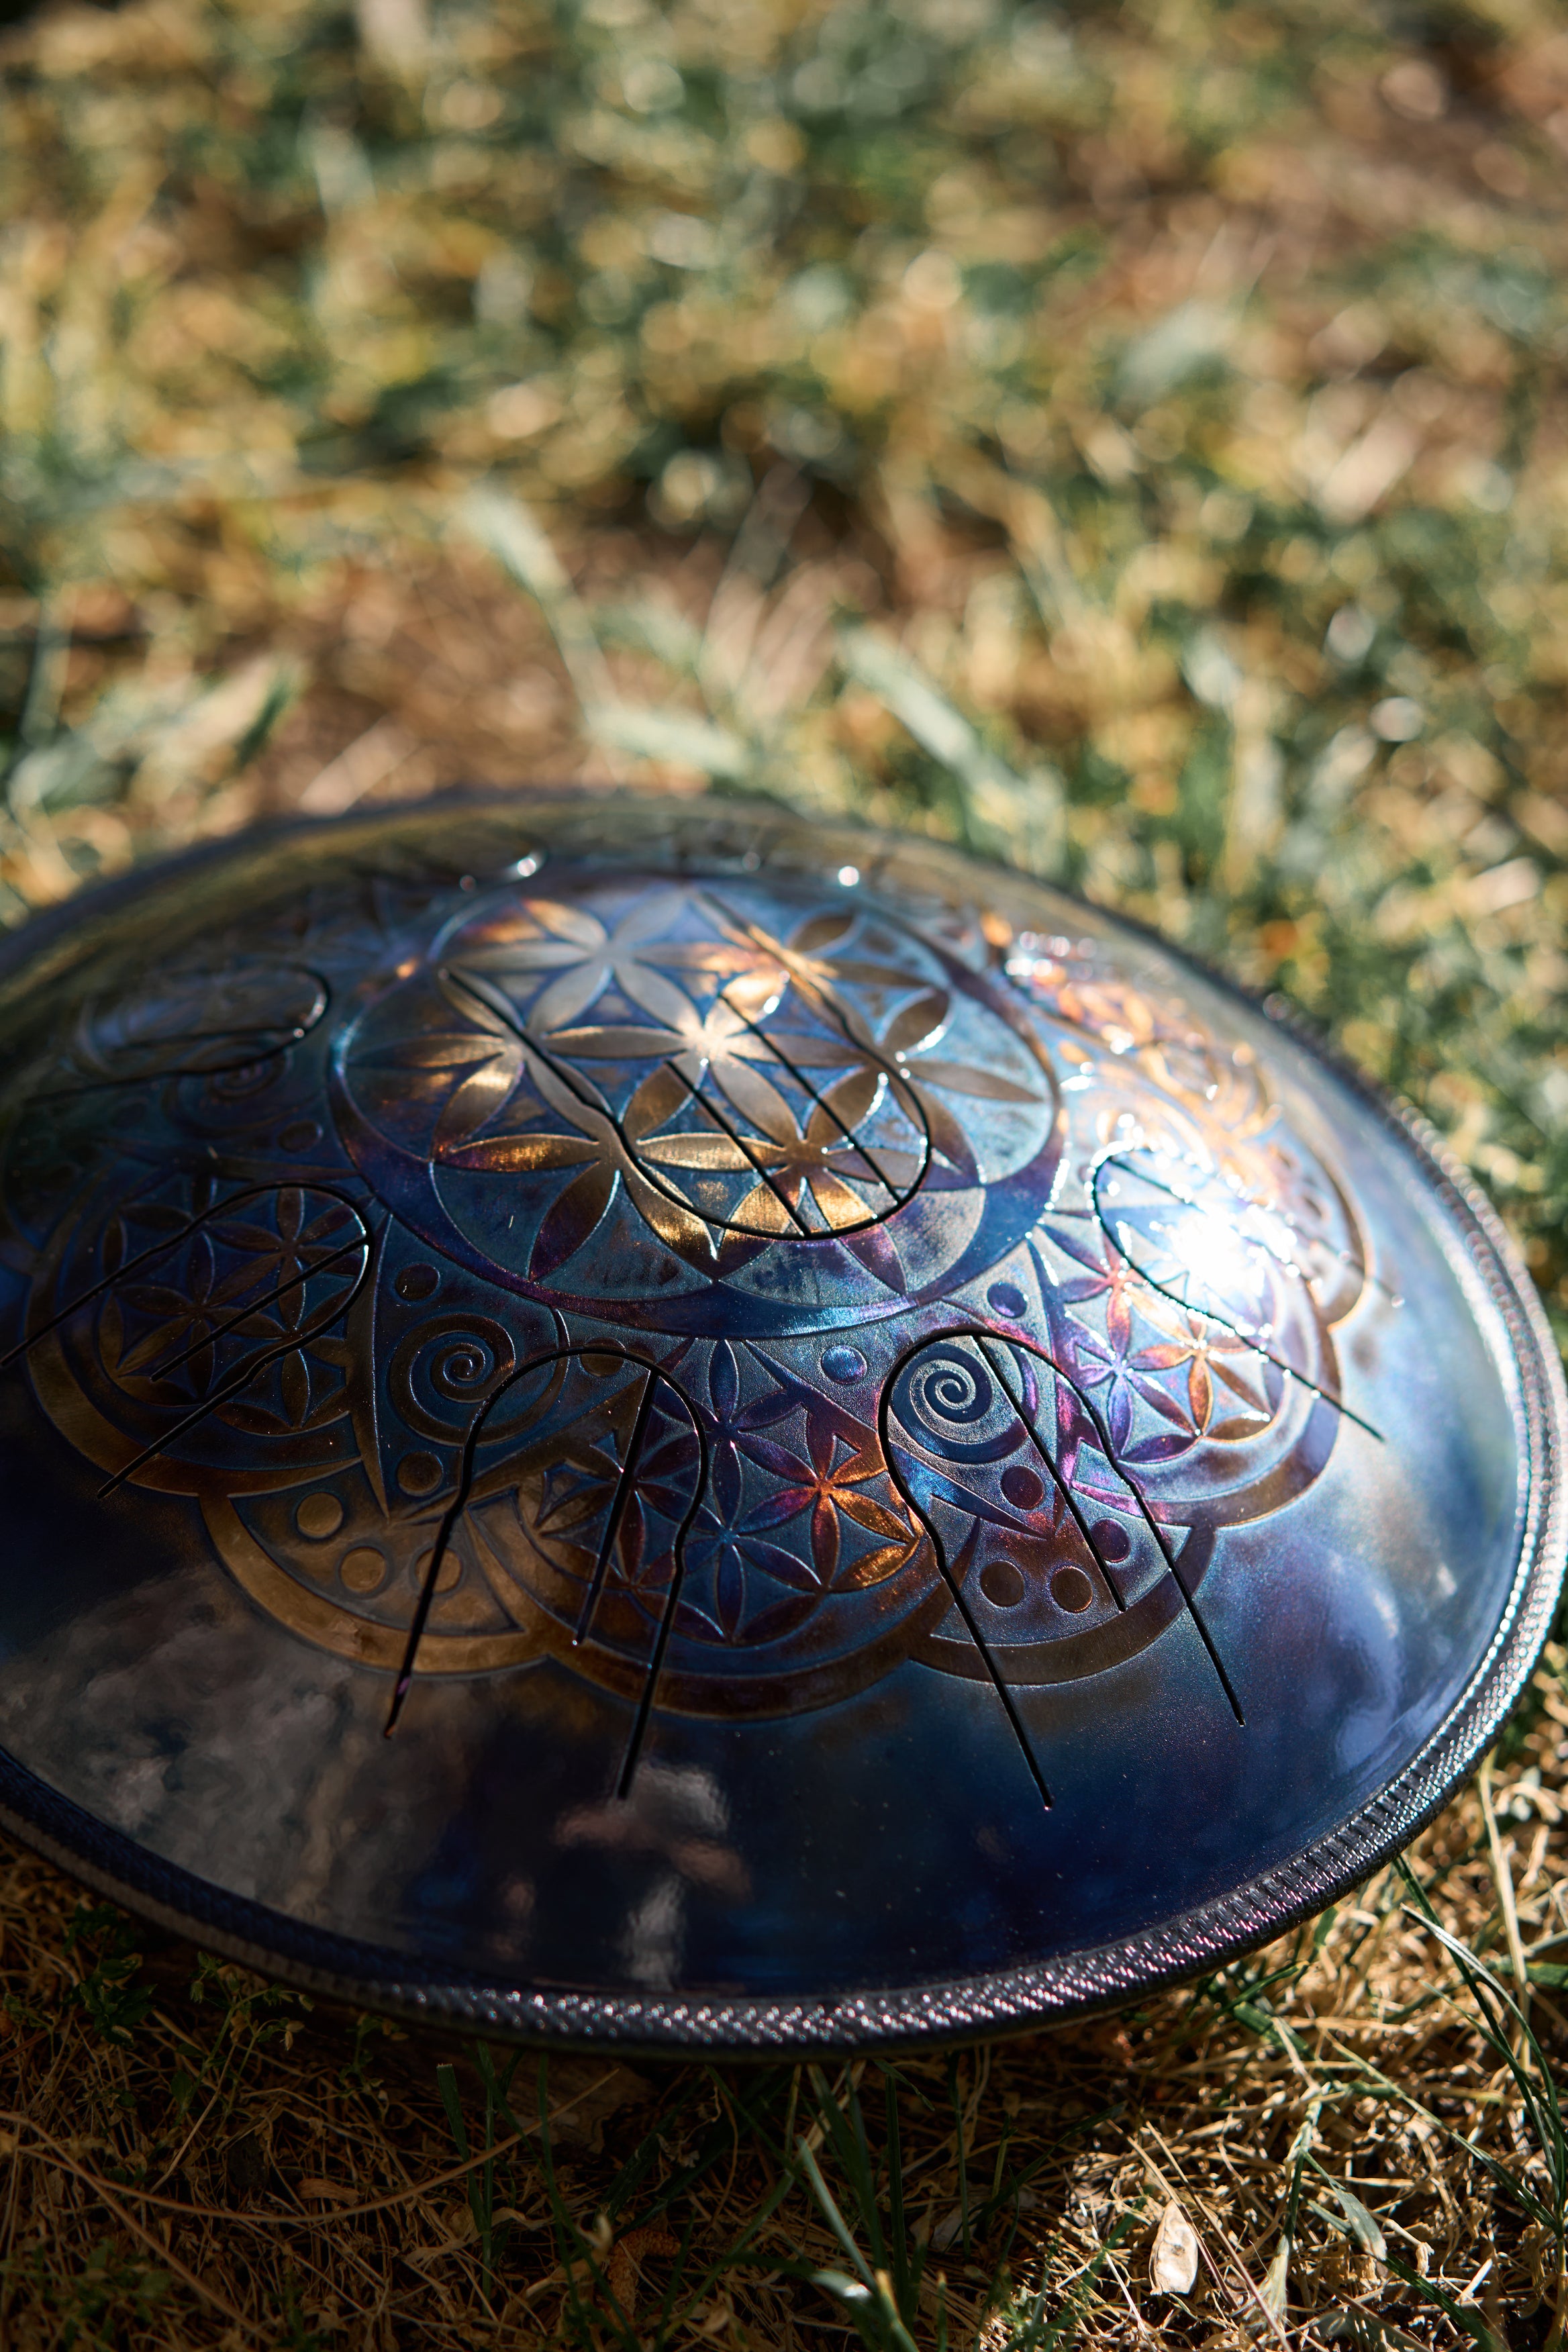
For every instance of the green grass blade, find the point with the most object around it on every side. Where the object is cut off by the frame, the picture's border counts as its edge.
(451, 2100)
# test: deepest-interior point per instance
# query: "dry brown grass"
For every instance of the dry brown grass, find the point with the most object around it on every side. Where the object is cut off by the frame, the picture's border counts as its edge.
(196, 2159)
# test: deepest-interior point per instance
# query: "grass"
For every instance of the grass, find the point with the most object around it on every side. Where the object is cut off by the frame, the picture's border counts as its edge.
(1359, 2124)
(1129, 440)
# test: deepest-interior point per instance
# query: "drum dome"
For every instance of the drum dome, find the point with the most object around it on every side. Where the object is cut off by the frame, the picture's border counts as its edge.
(644, 1419)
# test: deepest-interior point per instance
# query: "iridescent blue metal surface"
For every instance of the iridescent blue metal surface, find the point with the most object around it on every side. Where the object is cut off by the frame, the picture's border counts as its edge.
(640, 1420)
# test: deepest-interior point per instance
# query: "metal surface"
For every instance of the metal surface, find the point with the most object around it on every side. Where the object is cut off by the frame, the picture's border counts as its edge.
(642, 1420)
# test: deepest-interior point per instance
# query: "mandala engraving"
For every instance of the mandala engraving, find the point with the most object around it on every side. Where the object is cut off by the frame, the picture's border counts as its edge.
(780, 1110)
(729, 1289)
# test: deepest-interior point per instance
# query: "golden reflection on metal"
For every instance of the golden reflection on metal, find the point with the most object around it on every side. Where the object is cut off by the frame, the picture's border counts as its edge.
(368, 1271)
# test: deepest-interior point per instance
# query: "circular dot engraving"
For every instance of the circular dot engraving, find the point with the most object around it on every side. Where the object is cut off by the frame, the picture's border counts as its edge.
(1002, 1585)
(1006, 1298)
(1023, 1489)
(418, 1282)
(363, 1569)
(1070, 1589)
(319, 1516)
(451, 1570)
(1111, 1542)
(301, 1135)
(419, 1473)
(843, 1363)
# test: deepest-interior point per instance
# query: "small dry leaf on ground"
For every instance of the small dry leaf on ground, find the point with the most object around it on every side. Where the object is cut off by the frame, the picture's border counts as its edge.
(1173, 2257)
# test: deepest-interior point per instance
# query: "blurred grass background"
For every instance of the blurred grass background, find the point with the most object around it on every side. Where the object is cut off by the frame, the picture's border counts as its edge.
(1129, 440)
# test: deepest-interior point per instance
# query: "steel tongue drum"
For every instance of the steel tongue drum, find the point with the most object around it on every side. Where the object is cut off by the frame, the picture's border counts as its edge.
(644, 1420)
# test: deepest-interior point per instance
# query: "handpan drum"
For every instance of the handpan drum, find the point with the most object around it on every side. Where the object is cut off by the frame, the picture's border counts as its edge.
(641, 1421)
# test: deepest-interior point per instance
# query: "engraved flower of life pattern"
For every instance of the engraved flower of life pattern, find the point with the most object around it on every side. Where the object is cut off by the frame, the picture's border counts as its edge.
(1187, 1365)
(228, 1289)
(738, 1505)
(785, 1461)
(742, 1087)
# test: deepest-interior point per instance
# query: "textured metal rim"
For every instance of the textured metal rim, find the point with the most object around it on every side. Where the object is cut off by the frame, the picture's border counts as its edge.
(1012, 1999)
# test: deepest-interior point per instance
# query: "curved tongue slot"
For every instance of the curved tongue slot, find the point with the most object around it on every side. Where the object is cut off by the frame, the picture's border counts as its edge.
(1213, 1252)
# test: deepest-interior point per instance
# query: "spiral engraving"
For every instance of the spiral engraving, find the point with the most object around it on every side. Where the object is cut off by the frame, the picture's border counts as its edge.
(1046, 1586)
(950, 1394)
(445, 1369)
